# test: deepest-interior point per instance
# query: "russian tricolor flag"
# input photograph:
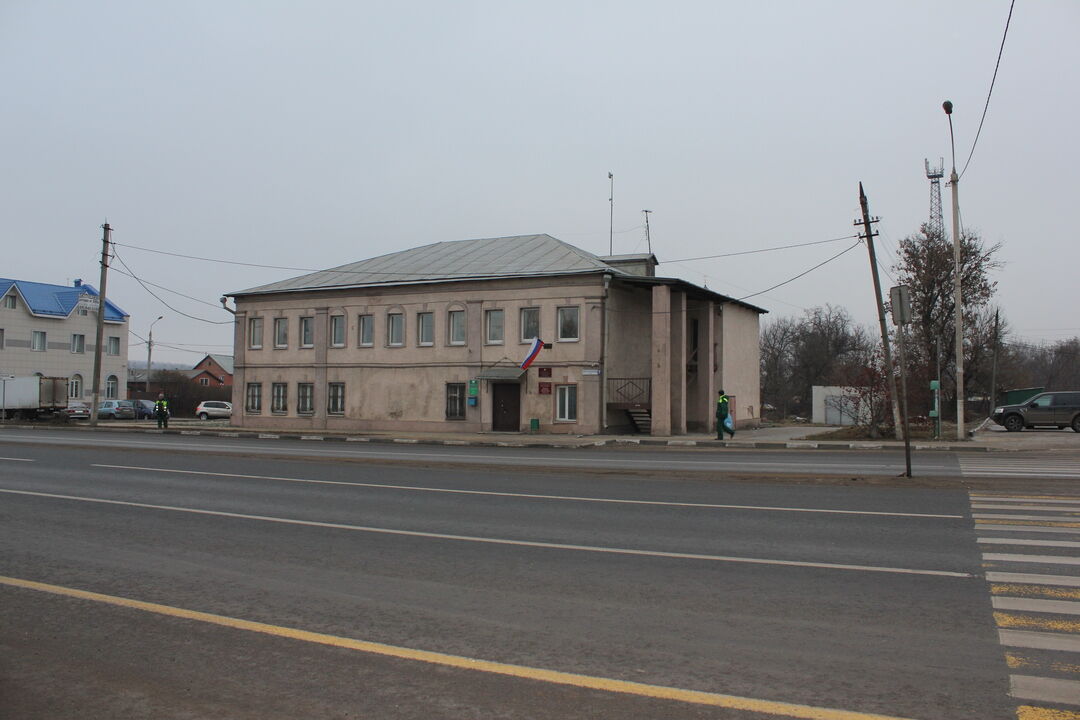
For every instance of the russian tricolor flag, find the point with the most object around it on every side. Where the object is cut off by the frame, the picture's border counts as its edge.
(537, 343)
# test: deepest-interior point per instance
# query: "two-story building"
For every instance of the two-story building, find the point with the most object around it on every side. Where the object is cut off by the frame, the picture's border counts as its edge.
(432, 339)
(51, 330)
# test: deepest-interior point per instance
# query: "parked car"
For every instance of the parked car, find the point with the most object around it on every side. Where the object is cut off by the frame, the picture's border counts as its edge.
(213, 409)
(1052, 409)
(76, 411)
(115, 410)
(143, 409)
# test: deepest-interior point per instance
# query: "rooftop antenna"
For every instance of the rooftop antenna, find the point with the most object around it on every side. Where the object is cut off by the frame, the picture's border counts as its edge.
(611, 221)
(934, 175)
(648, 239)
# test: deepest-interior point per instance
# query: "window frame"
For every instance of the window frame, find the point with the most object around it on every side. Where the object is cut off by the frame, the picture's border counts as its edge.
(305, 391)
(450, 327)
(253, 398)
(521, 321)
(488, 314)
(281, 327)
(78, 343)
(421, 317)
(569, 389)
(34, 335)
(110, 342)
(452, 399)
(559, 323)
(365, 322)
(255, 333)
(279, 402)
(75, 382)
(11, 301)
(391, 317)
(335, 398)
(307, 331)
(112, 388)
(337, 324)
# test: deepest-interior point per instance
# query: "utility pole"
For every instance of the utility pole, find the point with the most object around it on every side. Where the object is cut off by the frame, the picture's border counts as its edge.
(149, 351)
(105, 240)
(954, 179)
(993, 366)
(869, 235)
(611, 220)
(648, 238)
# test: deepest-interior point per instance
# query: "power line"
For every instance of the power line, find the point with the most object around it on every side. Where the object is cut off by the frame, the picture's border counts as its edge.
(158, 298)
(802, 273)
(991, 92)
(763, 250)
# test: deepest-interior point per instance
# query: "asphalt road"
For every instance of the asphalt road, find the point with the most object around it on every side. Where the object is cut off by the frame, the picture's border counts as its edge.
(174, 577)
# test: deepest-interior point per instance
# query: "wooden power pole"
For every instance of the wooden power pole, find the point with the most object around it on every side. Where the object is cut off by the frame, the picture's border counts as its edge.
(105, 240)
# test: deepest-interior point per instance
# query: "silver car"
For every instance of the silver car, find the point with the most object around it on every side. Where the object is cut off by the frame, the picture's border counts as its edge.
(213, 409)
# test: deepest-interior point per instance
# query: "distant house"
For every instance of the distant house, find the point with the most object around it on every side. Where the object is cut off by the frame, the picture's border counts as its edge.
(433, 339)
(51, 330)
(214, 371)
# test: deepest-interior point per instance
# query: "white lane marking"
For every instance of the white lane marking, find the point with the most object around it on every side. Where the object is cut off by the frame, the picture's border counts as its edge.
(1029, 508)
(1033, 579)
(1063, 607)
(496, 541)
(1044, 518)
(1039, 640)
(1037, 559)
(1026, 528)
(1040, 500)
(1049, 690)
(17, 459)
(576, 461)
(531, 496)
(1036, 543)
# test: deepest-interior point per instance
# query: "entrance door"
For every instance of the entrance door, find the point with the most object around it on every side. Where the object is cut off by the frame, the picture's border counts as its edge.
(506, 407)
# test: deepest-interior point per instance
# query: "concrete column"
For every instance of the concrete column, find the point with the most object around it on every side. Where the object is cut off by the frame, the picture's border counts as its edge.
(661, 360)
(322, 341)
(678, 363)
(707, 363)
(239, 367)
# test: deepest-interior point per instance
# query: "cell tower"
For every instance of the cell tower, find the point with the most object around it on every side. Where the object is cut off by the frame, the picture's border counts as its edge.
(934, 175)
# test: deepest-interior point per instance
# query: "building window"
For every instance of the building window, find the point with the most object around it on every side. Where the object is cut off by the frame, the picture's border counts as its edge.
(78, 343)
(204, 381)
(367, 330)
(457, 327)
(112, 385)
(1, 338)
(305, 398)
(37, 341)
(530, 324)
(493, 327)
(337, 331)
(307, 332)
(425, 328)
(75, 386)
(10, 302)
(279, 397)
(281, 332)
(395, 329)
(112, 345)
(566, 403)
(254, 397)
(81, 310)
(455, 401)
(255, 328)
(335, 398)
(568, 323)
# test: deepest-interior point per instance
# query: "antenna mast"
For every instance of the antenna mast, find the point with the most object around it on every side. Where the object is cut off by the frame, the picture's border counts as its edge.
(648, 238)
(937, 222)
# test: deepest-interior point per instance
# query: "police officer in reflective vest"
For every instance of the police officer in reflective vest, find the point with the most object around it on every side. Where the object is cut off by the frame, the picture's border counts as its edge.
(723, 420)
(161, 410)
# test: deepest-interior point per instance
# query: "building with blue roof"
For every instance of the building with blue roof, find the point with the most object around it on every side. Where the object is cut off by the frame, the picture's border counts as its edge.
(50, 330)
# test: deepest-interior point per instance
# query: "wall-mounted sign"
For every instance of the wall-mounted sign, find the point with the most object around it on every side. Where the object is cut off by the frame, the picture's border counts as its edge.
(590, 371)
(545, 372)
(474, 388)
(545, 388)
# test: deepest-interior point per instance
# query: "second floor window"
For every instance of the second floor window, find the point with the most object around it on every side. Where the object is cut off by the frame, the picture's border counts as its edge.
(425, 328)
(307, 332)
(457, 327)
(281, 332)
(568, 323)
(337, 330)
(279, 397)
(494, 327)
(78, 343)
(255, 328)
(530, 324)
(305, 398)
(112, 345)
(367, 330)
(395, 329)
(37, 341)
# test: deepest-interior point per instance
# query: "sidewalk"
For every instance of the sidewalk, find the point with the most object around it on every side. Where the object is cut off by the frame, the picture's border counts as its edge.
(988, 439)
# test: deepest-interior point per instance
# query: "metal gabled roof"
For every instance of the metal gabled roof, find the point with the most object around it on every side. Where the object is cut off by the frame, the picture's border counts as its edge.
(488, 258)
(58, 301)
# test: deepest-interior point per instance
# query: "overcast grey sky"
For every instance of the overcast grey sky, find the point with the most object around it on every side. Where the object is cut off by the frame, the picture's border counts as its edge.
(313, 134)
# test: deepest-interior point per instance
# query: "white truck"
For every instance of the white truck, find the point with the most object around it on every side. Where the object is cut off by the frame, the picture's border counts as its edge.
(28, 397)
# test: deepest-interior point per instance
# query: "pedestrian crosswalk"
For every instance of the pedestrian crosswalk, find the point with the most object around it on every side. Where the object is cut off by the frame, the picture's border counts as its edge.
(1064, 465)
(1031, 553)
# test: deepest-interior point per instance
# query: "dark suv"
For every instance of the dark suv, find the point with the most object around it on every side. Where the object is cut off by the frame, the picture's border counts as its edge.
(1054, 409)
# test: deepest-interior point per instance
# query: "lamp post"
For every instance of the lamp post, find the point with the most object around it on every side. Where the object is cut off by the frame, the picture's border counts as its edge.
(954, 179)
(149, 351)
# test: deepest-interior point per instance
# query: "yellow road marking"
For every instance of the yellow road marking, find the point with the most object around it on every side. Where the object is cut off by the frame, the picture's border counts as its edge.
(1009, 620)
(1035, 591)
(658, 692)
(1028, 712)
(1016, 662)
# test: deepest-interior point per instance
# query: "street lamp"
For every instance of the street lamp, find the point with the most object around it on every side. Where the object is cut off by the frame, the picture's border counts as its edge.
(149, 351)
(954, 179)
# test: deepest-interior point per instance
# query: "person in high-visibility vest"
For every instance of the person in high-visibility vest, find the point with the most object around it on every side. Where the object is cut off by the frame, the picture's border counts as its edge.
(161, 410)
(723, 418)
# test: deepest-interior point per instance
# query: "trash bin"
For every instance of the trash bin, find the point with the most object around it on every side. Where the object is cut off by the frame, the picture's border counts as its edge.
(534, 425)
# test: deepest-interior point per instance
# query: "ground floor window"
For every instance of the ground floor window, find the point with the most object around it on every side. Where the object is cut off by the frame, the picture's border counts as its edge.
(305, 398)
(279, 397)
(335, 399)
(566, 403)
(75, 386)
(112, 385)
(254, 397)
(455, 401)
